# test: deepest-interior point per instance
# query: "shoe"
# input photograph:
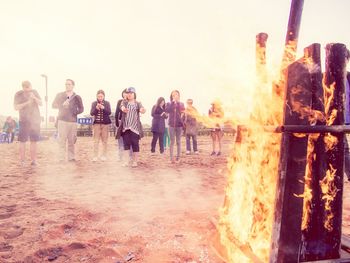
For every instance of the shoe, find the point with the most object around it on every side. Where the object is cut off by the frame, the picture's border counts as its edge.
(172, 161)
(125, 164)
(34, 163)
(213, 153)
(72, 160)
(103, 158)
(196, 152)
(94, 159)
(188, 152)
(218, 154)
(177, 160)
(134, 164)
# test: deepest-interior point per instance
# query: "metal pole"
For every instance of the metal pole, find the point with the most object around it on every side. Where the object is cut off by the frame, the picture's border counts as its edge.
(46, 99)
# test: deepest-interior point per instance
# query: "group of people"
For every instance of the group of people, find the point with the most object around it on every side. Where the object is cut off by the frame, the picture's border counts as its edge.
(170, 120)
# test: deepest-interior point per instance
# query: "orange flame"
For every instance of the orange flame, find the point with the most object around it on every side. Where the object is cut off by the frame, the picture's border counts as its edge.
(246, 218)
(329, 191)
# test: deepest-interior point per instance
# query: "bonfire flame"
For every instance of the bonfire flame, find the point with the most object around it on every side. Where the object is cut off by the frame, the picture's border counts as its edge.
(247, 215)
(329, 191)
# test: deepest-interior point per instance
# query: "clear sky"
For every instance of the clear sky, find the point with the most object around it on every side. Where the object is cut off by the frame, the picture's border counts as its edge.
(204, 48)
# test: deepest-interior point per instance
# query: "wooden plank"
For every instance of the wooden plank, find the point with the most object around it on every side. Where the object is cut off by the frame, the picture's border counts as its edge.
(286, 236)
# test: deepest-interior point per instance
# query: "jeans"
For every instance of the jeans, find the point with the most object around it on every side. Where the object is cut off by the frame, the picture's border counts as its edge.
(157, 136)
(175, 134)
(166, 138)
(194, 142)
(347, 156)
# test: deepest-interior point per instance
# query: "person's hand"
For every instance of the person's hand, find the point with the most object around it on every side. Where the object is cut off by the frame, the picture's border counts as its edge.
(124, 109)
(102, 107)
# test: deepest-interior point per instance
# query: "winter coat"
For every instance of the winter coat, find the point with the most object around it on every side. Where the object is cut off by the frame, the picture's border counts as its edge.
(191, 127)
(175, 111)
(158, 122)
(101, 116)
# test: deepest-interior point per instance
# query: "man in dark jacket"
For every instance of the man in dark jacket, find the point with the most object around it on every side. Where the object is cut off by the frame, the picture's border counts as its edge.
(69, 105)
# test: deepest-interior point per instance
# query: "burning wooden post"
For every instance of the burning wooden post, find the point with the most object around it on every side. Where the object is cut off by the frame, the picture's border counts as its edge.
(316, 167)
(291, 43)
(322, 218)
(286, 233)
(332, 182)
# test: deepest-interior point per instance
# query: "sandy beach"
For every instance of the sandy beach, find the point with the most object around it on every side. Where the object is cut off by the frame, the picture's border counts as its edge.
(103, 212)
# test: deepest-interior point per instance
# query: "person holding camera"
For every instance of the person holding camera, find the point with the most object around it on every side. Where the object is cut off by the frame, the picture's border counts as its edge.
(69, 105)
(27, 102)
(100, 110)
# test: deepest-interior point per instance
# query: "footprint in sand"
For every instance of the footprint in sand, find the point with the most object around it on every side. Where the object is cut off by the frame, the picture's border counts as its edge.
(12, 232)
(5, 247)
(5, 215)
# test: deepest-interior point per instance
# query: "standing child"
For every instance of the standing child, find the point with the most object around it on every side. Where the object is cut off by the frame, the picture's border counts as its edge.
(191, 128)
(216, 113)
(100, 110)
(158, 124)
(175, 109)
(130, 127)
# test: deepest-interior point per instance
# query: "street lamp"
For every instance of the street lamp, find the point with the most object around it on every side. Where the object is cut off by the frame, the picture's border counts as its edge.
(46, 98)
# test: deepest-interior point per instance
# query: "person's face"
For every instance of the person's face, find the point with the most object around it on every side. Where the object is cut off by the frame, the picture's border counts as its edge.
(125, 95)
(131, 96)
(189, 103)
(69, 86)
(27, 87)
(175, 95)
(100, 97)
(162, 103)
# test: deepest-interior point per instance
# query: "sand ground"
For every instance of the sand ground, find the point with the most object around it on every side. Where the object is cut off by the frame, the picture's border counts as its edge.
(103, 212)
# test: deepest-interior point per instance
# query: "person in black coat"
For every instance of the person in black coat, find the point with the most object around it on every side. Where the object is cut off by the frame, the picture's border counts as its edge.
(100, 110)
(158, 124)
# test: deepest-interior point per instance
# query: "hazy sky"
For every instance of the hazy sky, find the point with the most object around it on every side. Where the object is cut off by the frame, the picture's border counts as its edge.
(204, 48)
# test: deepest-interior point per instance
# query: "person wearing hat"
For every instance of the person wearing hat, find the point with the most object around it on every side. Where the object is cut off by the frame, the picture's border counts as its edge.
(100, 110)
(216, 115)
(27, 102)
(130, 127)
